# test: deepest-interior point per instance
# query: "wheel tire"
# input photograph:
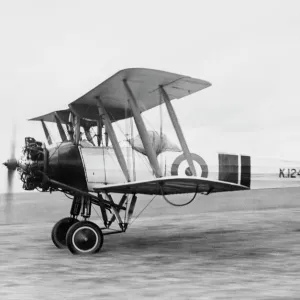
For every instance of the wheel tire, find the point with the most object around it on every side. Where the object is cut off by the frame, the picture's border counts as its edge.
(84, 238)
(59, 231)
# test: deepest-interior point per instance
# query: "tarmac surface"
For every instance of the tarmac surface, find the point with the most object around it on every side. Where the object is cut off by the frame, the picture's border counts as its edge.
(243, 245)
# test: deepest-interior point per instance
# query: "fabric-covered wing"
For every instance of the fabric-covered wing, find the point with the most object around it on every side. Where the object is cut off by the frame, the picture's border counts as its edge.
(171, 185)
(63, 115)
(144, 84)
(64, 118)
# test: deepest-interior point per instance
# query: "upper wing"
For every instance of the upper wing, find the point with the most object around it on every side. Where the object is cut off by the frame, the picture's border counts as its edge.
(171, 185)
(63, 116)
(144, 84)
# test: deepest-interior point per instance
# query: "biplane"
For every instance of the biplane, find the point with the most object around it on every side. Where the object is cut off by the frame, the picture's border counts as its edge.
(98, 169)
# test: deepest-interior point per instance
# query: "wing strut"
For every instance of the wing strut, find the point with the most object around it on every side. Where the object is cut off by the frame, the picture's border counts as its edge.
(77, 129)
(70, 126)
(99, 131)
(176, 125)
(46, 133)
(60, 127)
(142, 131)
(76, 124)
(113, 138)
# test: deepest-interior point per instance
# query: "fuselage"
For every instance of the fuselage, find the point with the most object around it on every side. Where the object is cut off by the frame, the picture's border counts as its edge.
(84, 166)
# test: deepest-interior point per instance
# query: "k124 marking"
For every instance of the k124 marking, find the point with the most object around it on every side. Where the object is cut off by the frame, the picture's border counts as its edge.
(289, 173)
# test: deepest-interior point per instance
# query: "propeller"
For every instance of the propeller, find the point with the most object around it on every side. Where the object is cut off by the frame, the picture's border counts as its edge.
(11, 165)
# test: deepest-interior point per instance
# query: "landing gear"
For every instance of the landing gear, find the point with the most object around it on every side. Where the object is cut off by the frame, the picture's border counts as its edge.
(84, 237)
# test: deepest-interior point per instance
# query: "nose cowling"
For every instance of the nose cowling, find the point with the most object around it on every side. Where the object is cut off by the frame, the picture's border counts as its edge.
(11, 164)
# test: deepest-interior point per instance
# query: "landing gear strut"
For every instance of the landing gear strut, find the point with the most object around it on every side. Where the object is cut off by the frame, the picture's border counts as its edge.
(84, 237)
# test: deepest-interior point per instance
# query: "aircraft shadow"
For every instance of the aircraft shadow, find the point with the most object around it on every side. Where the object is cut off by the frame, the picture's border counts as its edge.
(215, 244)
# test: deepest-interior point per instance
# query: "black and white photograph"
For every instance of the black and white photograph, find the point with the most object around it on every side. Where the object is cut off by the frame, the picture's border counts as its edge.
(150, 149)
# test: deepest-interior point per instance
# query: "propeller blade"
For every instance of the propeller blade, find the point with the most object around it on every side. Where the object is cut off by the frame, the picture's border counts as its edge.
(10, 176)
(11, 165)
(8, 198)
(13, 144)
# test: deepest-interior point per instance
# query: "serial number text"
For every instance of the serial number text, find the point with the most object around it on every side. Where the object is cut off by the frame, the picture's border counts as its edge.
(289, 173)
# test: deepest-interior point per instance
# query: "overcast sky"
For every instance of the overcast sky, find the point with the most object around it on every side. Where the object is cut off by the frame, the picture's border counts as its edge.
(52, 52)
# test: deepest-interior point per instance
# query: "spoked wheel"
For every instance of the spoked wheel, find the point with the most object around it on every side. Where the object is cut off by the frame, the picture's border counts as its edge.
(84, 237)
(59, 231)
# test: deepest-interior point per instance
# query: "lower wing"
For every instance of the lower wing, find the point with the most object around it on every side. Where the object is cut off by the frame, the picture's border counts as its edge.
(171, 185)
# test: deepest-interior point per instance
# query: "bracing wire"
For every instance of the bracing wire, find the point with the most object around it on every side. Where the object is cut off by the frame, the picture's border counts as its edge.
(161, 125)
(96, 212)
(104, 167)
(127, 139)
(146, 162)
(142, 210)
(132, 150)
(118, 125)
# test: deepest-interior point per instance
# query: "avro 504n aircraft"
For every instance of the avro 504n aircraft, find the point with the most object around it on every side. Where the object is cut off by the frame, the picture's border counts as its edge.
(91, 171)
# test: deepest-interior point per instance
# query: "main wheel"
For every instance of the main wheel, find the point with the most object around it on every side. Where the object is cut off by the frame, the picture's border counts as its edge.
(84, 237)
(59, 231)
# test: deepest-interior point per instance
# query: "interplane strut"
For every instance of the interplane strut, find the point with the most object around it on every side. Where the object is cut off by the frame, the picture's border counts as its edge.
(178, 130)
(142, 131)
(60, 128)
(46, 131)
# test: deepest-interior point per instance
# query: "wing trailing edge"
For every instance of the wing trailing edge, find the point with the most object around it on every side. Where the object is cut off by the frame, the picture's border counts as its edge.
(170, 185)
